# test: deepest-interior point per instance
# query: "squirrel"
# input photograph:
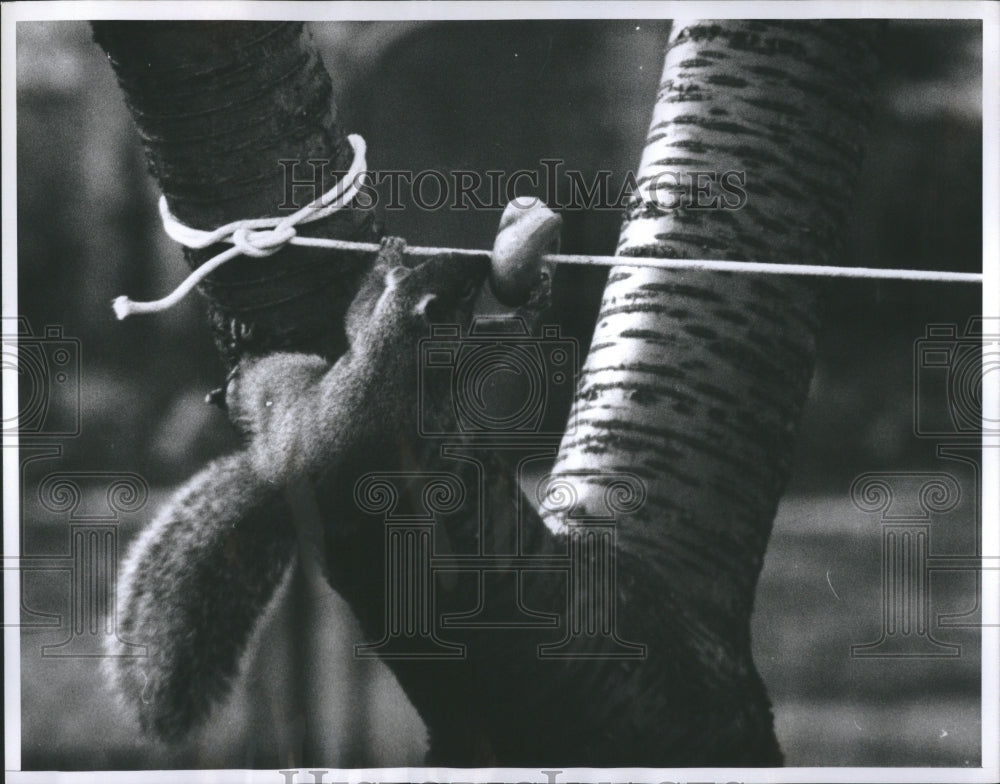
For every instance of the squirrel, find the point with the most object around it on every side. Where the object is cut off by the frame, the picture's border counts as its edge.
(224, 534)
(199, 577)
(301, 415)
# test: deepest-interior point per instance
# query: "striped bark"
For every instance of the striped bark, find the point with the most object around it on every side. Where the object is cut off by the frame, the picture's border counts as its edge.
(695, 380)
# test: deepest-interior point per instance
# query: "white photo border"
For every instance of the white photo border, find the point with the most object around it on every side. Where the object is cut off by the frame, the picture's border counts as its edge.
(988, 12)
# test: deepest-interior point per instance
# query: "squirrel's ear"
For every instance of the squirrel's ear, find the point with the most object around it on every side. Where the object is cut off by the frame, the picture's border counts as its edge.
(423, 305)
(192, 590)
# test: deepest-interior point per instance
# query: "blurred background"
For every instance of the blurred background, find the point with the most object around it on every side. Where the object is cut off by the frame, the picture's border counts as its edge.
(504, 96)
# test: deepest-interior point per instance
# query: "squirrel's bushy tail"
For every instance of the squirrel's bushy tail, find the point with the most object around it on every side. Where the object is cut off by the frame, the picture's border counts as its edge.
(192, 590)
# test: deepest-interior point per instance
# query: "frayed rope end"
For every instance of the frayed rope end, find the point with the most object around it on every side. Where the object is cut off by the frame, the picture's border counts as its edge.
(123, 307)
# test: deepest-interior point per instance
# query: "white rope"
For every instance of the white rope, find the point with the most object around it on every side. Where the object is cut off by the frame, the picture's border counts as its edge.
(255, 237)
(260, 237)
(766, 268)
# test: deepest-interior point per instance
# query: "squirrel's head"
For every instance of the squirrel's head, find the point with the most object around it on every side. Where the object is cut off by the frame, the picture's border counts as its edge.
(438, 290)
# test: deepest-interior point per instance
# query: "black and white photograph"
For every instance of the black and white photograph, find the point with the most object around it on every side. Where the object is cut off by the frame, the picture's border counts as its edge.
(521, 392)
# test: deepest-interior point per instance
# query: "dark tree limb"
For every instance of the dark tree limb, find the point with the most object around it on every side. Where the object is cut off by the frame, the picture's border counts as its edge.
(219, 105)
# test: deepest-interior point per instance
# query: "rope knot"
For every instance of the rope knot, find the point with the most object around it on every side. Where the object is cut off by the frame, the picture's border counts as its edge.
(260, 243)
(256, 237)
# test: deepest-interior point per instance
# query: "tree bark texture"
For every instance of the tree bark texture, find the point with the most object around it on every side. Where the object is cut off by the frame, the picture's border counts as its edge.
(693, 384)
(219, 105)
(695, 380)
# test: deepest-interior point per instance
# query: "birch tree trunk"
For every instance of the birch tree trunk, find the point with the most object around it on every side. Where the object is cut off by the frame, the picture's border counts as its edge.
(695, 380)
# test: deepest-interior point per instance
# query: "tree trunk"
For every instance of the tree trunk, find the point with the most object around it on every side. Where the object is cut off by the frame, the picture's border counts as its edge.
(219, 106)
(229, 113)
(693, 386)
(695, 380)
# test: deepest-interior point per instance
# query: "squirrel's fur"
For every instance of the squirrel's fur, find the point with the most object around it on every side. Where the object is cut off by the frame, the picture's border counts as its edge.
(223, 536)
(198, 579)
